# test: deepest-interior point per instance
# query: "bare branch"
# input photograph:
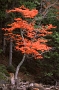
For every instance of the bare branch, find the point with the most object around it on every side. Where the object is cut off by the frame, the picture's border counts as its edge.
(46, 10)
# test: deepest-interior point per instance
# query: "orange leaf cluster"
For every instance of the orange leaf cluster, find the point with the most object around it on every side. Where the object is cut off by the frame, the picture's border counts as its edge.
(19, 23)
(32, 47)
(25, 11)
(46, 30)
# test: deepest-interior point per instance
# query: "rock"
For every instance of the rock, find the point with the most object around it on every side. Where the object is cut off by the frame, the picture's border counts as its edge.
(36, 86)
(36, 89)
(40, 86)
(12, 79)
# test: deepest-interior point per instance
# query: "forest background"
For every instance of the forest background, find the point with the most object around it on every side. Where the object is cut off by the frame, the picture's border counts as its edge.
(44, 70)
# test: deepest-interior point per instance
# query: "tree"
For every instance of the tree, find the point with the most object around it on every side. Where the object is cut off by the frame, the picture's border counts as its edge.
(30, 41)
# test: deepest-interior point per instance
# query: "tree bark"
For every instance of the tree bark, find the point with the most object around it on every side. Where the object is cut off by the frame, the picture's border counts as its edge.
(4, 45)
(10, 53)
(18, 67)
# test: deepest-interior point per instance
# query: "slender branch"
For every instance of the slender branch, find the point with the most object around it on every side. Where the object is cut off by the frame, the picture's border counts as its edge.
(19, 65)
(52, 16)
(46, 10)
(40, 11)
(22, 37)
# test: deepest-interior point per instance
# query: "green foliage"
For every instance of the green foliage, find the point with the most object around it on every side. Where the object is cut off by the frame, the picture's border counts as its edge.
(51, 17)
(11, 69)
(56, 39)
(3, 72)
(23, 69)
(52, 13)
(2, 76)
(28, 3)
(2, 14)
(48, 74)
(1, 50)
(3, 69)
(51, 64)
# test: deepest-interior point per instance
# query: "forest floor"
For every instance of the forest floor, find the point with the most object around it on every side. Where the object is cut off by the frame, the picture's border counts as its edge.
(24, 76)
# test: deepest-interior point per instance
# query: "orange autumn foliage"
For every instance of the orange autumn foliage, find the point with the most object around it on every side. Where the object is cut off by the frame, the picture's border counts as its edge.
(19, 23)
(28, 43)
(24, 11)
(35, 46)
(32, 47)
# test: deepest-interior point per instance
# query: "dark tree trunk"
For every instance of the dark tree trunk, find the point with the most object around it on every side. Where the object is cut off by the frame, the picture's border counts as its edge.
(10, 52)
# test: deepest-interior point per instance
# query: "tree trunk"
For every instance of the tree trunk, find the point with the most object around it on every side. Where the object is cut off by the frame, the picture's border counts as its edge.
(4, 44)
(10, 53)
(18, 67)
